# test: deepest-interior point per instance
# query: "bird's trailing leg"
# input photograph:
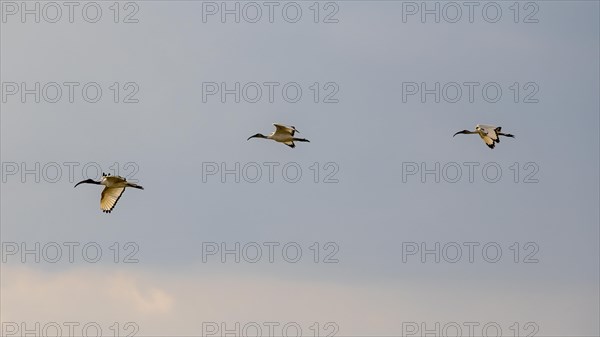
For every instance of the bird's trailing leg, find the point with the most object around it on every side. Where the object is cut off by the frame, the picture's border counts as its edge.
(301, 140)
(134, 185)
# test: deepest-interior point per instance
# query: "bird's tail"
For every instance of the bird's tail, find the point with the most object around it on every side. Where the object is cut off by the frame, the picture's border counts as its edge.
(134, 185)
(301, 140)
(506, 135)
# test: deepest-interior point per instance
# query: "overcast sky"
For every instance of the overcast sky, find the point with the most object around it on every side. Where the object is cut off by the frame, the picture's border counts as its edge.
(361, 201)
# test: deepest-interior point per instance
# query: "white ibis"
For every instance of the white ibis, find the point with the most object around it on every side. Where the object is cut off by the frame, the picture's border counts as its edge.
(282, 134)
(113, 190)
(490, 134)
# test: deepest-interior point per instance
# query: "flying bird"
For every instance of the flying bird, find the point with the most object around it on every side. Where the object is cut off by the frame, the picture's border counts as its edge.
(282, 134)
(113, 190)
(490, 134)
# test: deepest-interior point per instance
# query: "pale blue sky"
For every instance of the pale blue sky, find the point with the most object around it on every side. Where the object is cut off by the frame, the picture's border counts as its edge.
(369, 134)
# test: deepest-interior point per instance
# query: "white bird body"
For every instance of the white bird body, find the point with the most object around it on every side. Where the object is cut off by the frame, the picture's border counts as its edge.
(488, 133)
(114, 186)
(282, 134)
(113, 181)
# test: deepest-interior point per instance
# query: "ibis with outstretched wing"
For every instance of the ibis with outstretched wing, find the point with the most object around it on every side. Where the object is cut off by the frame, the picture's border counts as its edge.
(488, 133)
(282, 134)
(114, 186)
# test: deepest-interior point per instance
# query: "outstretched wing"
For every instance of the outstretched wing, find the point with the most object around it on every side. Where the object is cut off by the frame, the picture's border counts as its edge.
(110, 197)
(280, 128)
(491, 132)
(489, 141)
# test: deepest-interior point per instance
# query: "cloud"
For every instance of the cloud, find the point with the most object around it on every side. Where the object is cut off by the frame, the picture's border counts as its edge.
(190, 302)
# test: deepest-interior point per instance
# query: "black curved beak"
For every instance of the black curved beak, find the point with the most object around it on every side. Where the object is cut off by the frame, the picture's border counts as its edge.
(87, 181)
(258, 135)
(459, 132)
